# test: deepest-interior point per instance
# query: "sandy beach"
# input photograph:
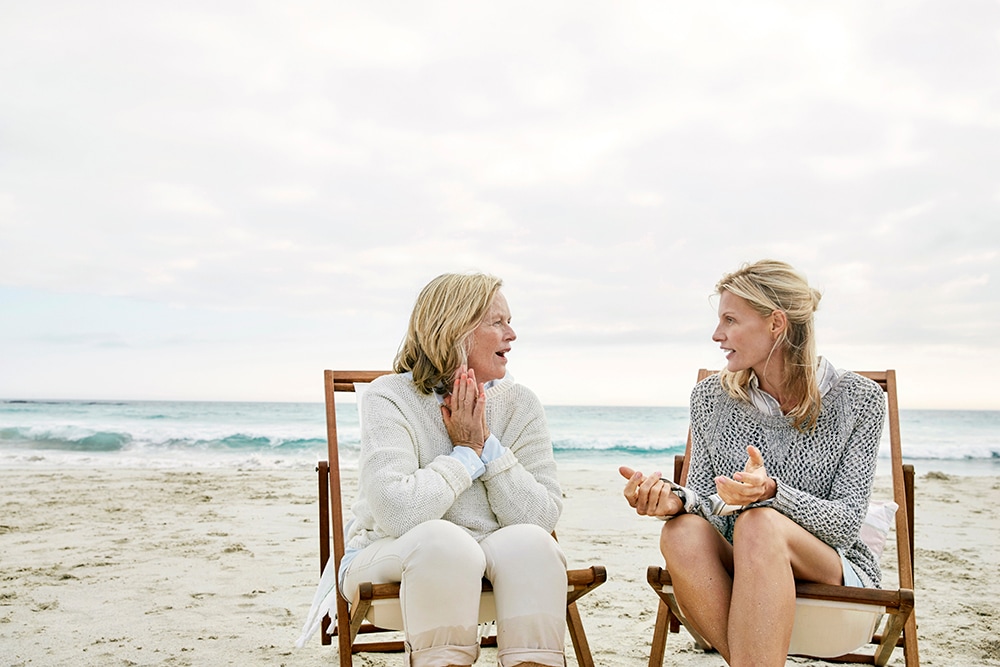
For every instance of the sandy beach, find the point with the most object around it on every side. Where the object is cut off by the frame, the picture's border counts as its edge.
(157, 567)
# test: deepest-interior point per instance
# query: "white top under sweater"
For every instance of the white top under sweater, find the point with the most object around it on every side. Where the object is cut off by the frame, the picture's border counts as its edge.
(407, 476)
(824, 476)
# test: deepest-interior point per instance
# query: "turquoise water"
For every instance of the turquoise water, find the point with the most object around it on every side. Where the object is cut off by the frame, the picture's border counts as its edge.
(291, 435)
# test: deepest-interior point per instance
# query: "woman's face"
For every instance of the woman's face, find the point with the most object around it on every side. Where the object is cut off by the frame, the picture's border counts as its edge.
(744, 335)
(490, 342)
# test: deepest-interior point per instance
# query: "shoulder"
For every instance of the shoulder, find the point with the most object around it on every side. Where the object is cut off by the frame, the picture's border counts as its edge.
(396, 387)
(858, 386)
(708, 389)
(860, 394)
(394, 398)
(706, 399)
(392, 383)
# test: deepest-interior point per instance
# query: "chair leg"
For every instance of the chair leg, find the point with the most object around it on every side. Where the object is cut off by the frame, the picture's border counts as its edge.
(579, 638)
(344, 652)
(323, 469)
(910, 653)
(660, 631)
(893, 628)
(345, 636)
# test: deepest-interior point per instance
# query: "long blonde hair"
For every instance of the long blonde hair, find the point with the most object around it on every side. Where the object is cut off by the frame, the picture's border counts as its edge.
(769, 285)
(447, 311)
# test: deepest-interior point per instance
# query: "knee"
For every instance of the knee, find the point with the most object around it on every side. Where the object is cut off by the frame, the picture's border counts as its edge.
(533, 539)
(525, 540)
(758, 533)
(684, 537)
(521, 549)
(446, 547)
(544, 547)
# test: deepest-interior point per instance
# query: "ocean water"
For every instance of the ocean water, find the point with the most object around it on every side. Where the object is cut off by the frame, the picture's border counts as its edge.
(148, 434)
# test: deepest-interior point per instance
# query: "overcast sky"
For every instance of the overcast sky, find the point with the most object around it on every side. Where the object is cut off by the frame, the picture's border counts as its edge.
(219, 200)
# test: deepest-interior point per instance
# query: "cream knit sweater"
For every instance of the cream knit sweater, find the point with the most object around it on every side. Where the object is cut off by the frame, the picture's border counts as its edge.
(407, 476)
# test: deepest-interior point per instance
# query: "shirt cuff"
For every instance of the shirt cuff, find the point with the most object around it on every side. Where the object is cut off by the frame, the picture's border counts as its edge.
(720, 507)
(467, 457)
(492, 449)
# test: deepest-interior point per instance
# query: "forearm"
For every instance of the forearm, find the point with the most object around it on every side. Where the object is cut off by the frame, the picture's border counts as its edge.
(520, 495)
(401, 499)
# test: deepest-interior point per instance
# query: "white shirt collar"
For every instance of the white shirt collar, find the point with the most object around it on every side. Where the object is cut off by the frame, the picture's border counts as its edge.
(826, 375)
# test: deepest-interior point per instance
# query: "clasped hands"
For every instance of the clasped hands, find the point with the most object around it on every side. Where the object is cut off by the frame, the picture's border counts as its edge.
(464, 411)
(651, 496)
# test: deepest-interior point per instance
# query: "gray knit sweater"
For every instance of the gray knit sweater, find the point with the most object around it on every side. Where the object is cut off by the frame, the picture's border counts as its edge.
(824, 476)
(407, 477)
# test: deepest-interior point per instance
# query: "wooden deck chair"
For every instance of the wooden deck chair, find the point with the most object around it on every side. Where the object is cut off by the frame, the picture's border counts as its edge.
(831, 622)
(375, 609)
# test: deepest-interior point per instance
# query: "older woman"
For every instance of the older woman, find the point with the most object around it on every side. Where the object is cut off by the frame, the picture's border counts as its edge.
(783, 453)
(458, 482)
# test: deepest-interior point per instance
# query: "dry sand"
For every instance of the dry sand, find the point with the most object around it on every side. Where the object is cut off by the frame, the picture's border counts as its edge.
(139, 567)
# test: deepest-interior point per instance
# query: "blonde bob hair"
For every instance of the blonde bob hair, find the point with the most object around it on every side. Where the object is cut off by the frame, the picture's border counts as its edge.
(768, 286)
(447, 311)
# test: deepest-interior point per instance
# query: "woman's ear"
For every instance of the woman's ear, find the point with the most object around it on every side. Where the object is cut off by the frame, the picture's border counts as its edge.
(779, 322)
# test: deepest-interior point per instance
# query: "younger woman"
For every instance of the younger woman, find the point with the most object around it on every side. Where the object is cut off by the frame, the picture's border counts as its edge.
(783, 454)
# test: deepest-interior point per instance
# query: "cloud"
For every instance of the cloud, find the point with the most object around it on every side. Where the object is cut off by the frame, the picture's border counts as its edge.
(290, 175)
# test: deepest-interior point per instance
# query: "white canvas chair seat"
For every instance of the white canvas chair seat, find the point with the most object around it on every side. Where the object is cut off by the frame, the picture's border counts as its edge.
(855, 624)
(388, 614)
(379, 605)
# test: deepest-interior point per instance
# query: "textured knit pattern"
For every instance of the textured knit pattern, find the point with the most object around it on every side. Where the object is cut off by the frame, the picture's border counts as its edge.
(407, 477)
(824, 476)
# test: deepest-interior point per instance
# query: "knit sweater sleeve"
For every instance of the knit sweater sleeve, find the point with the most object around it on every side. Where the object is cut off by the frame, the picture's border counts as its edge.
(700, 483)
(521, 484)
(400, 493)
(853, 429)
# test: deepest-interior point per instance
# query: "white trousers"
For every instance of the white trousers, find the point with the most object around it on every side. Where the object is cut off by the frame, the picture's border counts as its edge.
(440, 567)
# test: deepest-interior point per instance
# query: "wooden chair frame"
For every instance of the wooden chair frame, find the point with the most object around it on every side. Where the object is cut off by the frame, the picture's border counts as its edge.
(901, 624)
(350, 621)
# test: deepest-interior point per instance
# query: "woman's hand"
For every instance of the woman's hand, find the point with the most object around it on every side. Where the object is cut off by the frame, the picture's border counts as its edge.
(749, 486)
(650, 496)
(464, 411)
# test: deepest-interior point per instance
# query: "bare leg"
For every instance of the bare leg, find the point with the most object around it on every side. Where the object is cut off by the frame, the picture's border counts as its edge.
(700, 560)
(770, 551)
